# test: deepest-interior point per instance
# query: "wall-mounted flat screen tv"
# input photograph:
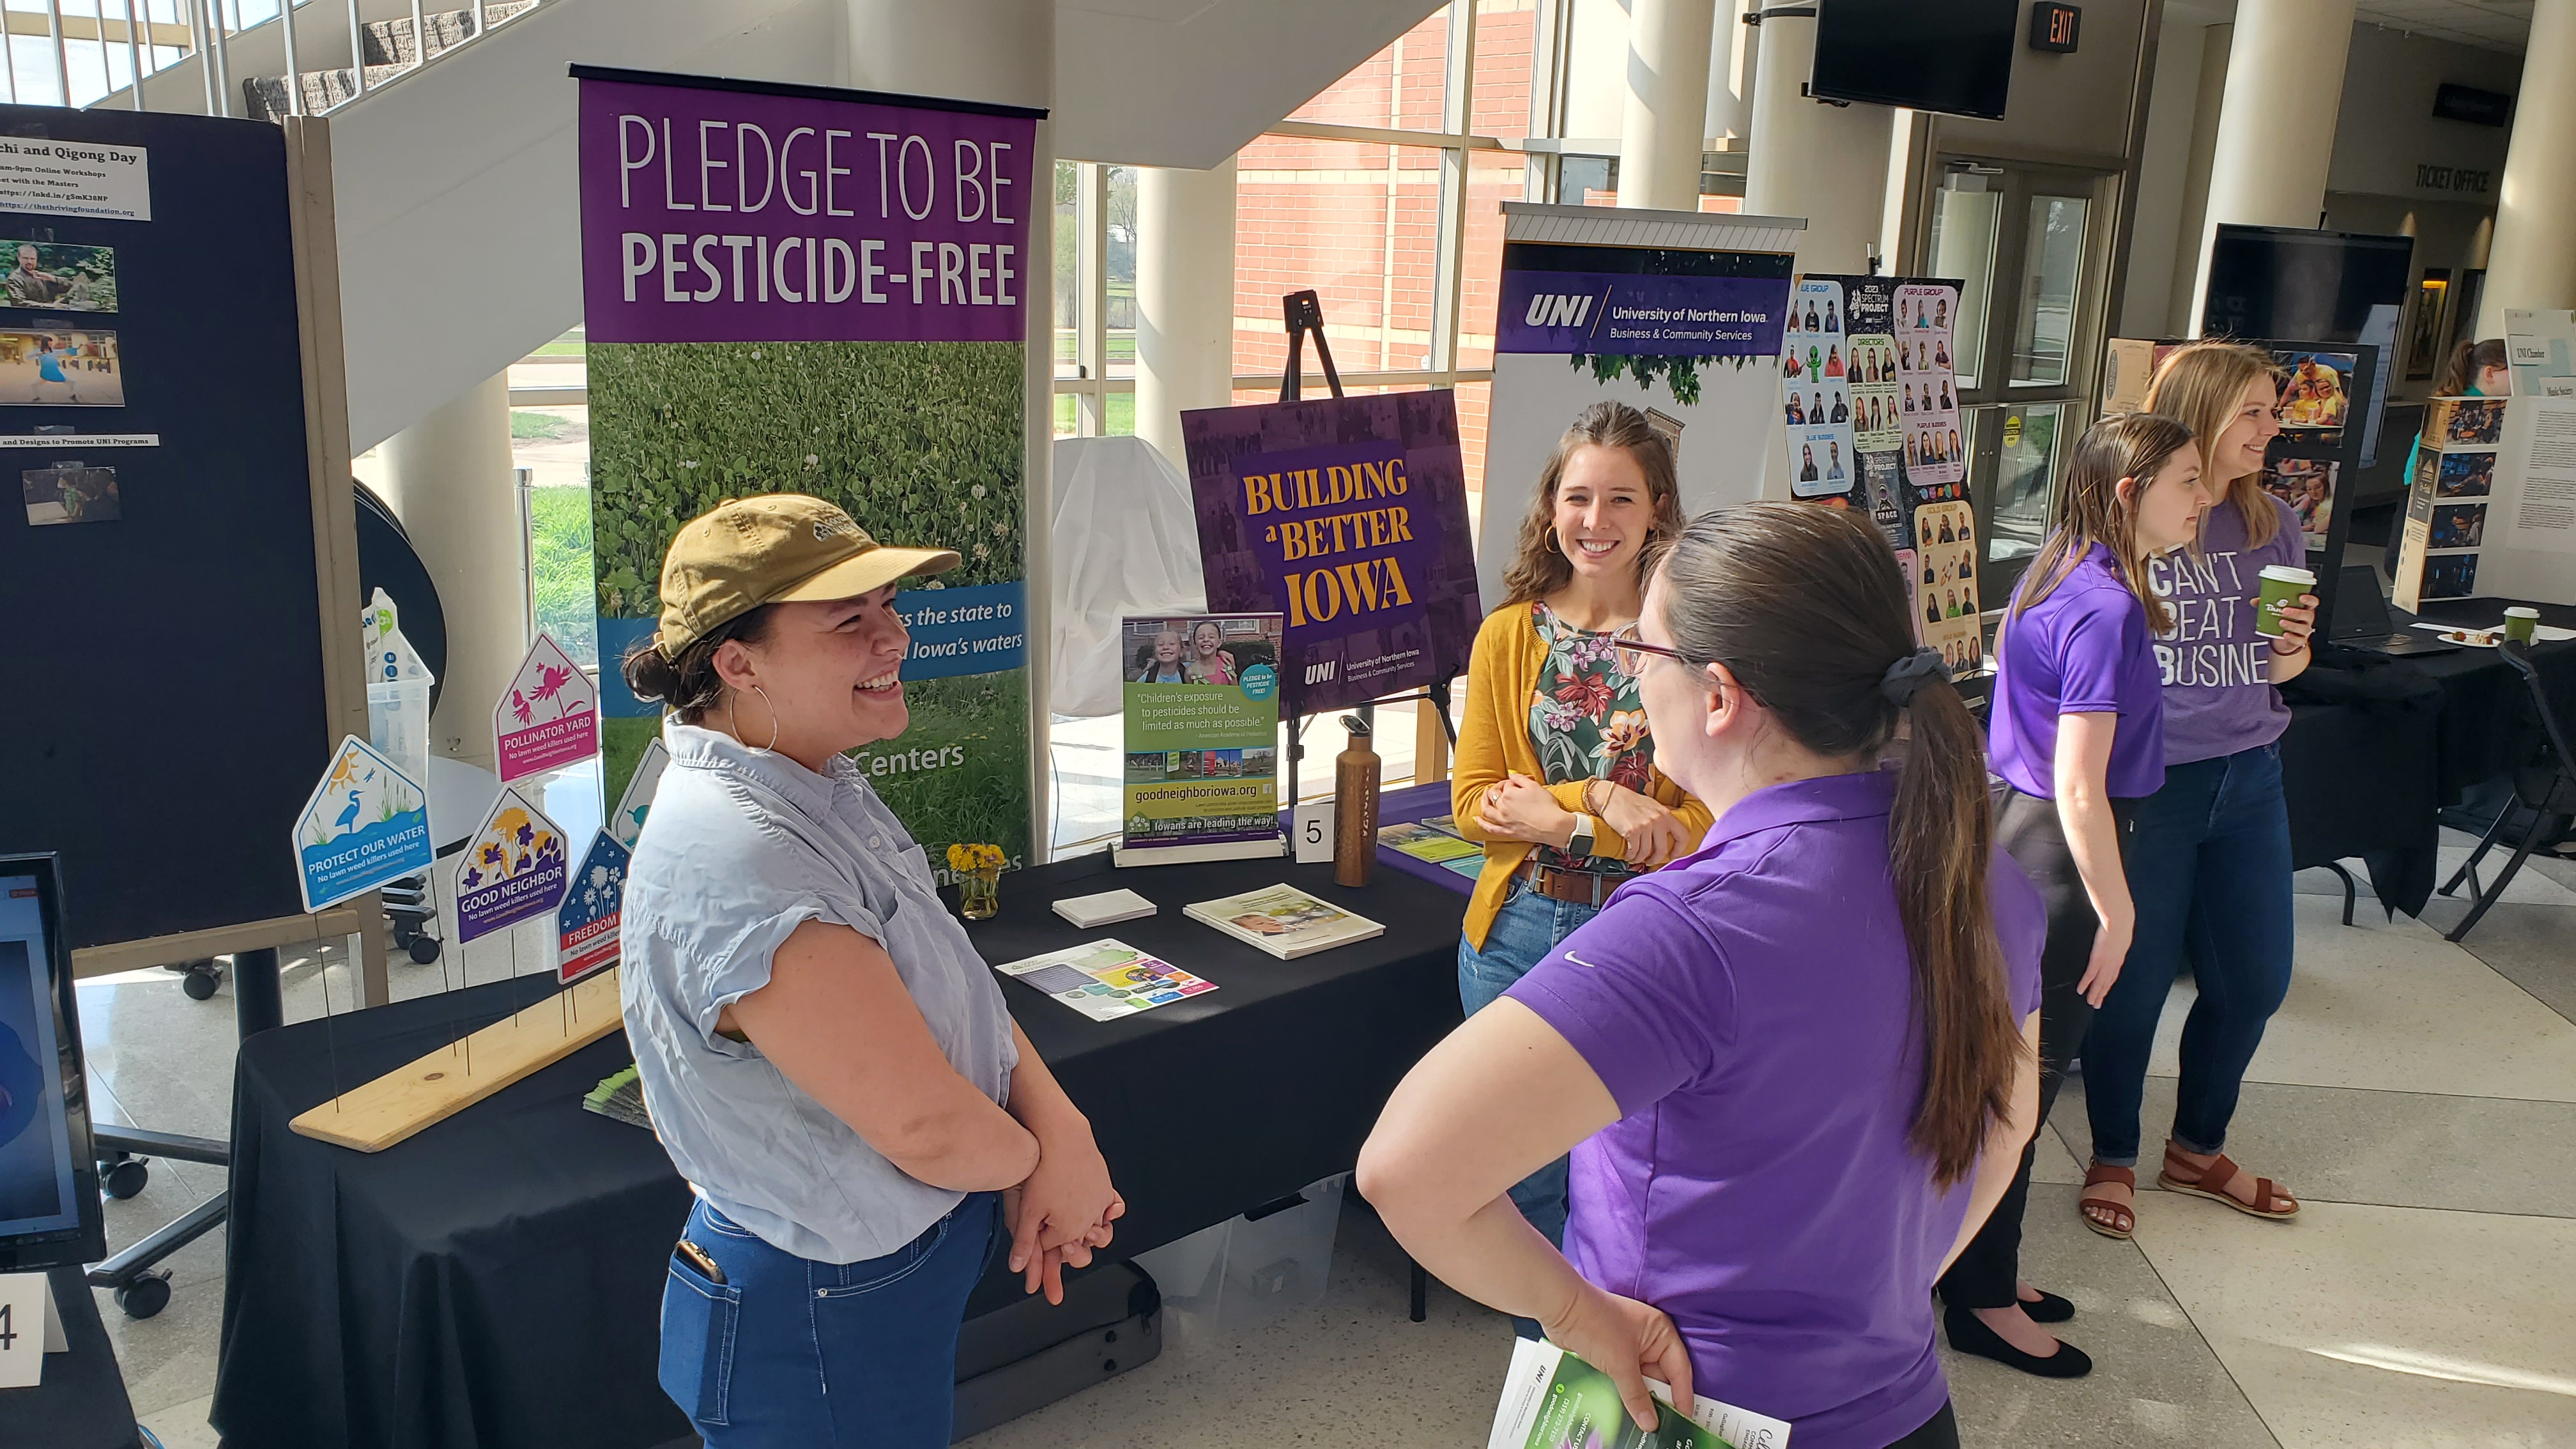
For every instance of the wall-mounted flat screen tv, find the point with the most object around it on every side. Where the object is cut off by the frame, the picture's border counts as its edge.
(1952, 56)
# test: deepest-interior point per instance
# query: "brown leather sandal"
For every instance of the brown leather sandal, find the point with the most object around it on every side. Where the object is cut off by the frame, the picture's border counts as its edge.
(2121, 1221)
(2211, 1182)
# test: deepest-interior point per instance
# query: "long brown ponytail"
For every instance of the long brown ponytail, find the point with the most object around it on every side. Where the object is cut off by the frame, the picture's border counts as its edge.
(1805, 606)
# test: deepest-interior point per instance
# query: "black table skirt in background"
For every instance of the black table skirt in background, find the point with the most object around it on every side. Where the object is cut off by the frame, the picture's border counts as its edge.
(495, 1281)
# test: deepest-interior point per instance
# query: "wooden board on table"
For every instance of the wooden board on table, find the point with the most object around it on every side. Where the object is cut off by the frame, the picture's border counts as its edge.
(437, 1087)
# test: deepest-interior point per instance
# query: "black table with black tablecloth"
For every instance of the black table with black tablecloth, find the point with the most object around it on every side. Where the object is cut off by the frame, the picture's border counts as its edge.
(496, 1280)
(80, 1403)
(2377, 745)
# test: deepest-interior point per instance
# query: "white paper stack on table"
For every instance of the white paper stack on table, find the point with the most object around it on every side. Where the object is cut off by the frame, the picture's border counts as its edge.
(1106, 908)
(1552, 1399)
(1284, 921)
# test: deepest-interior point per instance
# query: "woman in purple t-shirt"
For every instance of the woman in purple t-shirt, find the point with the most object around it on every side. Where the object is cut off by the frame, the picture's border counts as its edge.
(2210, 863)
(2076, 734)
(1812, 1039)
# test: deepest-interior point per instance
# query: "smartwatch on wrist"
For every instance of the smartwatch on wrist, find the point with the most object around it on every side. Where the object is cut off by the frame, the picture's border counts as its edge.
(1580, 844)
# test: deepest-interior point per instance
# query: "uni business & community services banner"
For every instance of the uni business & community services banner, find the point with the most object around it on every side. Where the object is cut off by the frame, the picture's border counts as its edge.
(796, 290)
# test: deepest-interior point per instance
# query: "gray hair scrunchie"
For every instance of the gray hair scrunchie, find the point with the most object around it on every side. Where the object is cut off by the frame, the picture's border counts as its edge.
(1911, 673)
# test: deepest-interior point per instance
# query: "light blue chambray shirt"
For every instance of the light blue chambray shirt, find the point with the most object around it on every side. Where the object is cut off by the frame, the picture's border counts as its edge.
(741, 847)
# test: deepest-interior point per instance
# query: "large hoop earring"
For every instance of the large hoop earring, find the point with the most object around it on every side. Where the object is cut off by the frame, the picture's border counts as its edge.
(736, 725)
(1554, 546)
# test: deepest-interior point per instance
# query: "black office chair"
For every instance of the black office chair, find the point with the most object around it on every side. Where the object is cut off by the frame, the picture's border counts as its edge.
(2545, 788)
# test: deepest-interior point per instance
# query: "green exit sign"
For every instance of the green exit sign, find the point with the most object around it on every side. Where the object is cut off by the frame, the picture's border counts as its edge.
(2053, 27)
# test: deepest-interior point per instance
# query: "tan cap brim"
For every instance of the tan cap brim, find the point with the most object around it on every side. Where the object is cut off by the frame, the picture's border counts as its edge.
(871, 570)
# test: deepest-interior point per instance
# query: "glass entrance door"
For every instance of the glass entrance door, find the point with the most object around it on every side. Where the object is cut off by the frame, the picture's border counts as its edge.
(2032, 246)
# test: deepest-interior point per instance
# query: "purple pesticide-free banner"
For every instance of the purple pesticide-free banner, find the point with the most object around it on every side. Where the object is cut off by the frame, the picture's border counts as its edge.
(720, 215)
(1349, 516)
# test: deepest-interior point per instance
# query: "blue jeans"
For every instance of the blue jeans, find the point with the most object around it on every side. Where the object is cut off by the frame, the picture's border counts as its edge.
(1526, 928)
(788, 1353)
(2209, 867)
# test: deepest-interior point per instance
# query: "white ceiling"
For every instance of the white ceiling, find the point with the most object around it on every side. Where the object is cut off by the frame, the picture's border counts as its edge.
(2502, 25)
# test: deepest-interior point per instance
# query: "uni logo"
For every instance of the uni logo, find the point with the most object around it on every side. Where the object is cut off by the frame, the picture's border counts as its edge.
(1323, 673)
(1554, 310)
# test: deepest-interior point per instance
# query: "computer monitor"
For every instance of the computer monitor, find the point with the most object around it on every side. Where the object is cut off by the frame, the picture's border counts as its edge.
(49, 1205)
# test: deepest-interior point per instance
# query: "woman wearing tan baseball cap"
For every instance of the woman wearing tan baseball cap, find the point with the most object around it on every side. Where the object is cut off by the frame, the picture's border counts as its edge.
(825, 1055)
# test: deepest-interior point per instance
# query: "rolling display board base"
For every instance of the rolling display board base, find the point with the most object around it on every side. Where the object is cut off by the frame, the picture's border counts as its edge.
(439, 1085)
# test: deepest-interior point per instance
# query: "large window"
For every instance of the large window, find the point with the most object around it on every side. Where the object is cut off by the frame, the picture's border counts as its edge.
(1382, 193)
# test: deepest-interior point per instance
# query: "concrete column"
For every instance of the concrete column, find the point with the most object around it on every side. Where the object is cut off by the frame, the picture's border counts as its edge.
(450, 480)
(1730, 74)
(2532, 261)
(1661, 130)
(1000, 51)
(2182, 305)
(1184, 299)
(2284, 80)
(1825, 163)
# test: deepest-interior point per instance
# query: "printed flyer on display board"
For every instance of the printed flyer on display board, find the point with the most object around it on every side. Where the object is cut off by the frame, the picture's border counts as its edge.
(1687, 331)
(1348, 517)
(1202, 737)
(2491, 511)
(2540, 349)
(788, 290)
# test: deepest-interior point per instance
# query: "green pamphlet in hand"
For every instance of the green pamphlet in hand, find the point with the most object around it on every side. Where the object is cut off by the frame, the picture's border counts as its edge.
(1554, 1400)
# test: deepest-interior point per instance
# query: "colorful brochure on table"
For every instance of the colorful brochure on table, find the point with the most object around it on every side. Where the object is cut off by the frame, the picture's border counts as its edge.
(1553, 1400)
(1424, 843)
(1284, 921)
(1106, 979)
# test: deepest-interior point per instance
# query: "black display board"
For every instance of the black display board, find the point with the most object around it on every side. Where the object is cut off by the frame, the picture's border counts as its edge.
(167, 716)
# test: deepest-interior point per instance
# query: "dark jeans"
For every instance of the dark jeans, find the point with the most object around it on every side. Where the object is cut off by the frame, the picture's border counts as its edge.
(2210, 869)
(788, 1353)
(2027, 827)
(1941, 1431)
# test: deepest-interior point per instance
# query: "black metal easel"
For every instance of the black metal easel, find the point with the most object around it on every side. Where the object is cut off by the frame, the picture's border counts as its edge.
(1304, 312)
(1304, 315)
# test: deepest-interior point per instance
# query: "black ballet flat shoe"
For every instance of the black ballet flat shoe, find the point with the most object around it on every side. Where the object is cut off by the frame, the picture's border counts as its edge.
(1969, 1334)
(2048, 1308)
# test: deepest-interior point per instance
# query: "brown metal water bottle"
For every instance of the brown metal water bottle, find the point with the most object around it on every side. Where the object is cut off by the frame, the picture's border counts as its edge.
(1355, 807)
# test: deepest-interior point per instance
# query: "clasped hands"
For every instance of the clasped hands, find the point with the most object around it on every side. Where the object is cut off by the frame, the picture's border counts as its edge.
(1062, 1211)
(1520, 808)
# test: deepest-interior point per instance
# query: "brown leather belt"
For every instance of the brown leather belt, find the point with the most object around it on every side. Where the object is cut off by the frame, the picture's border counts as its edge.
(1575, 887)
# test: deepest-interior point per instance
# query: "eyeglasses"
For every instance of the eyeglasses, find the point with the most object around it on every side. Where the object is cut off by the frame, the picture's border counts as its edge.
(1631, 650)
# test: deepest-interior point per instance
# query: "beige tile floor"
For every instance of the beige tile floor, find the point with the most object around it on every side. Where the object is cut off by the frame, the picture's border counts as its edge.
(2420, 1095)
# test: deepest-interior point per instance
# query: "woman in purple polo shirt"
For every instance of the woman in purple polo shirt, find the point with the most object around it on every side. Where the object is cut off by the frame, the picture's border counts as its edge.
(1795, 1068)
(2212, 864)
(2077, 735)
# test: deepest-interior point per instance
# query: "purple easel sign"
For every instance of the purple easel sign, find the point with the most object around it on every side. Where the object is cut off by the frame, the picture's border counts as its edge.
(712, 214)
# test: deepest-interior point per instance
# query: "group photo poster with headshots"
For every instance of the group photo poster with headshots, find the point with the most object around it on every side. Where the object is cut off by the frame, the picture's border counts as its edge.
(1880, 350)
(1347, 516)
(796, 290)
(1686, 331)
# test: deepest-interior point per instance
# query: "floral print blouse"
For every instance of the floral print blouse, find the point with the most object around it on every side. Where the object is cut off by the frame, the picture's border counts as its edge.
(1586, 720)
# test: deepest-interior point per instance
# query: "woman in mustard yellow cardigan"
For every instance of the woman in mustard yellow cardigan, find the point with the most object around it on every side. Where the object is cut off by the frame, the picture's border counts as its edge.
(1555, 773)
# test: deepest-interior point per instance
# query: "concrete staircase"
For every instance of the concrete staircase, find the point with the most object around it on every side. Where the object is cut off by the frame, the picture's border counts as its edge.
(388, 48)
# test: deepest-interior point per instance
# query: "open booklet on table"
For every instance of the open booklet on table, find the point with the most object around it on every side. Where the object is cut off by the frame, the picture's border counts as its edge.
(1284, 921)
(1554, 1400)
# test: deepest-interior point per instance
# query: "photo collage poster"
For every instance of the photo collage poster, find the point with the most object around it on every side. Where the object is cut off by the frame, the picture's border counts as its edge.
(2303, 468)
(1941, 579)
(2446, 503)
(1815, 377)
(1927, 394)
(1877, 352)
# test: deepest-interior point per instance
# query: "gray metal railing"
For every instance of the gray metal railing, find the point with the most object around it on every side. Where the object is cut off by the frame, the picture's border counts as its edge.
(95, 52)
